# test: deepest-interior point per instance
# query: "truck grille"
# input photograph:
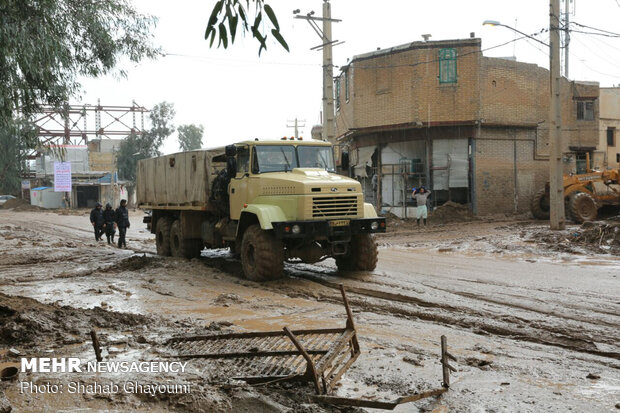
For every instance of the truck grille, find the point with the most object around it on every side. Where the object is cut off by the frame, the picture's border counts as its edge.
(335, 206)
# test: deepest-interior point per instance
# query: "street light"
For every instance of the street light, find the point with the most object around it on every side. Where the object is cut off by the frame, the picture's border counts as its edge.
(494, 23)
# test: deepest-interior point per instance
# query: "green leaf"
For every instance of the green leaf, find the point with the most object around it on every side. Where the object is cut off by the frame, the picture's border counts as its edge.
(223, 35)
(215, 12)
(257, 21)
(232, 25)
(279, 38)
(242, 15)
(208, 31)
(272, 16)
(212, 38)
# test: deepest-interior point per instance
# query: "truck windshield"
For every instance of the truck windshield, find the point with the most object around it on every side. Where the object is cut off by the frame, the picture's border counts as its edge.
(316, 157)
(275, 158)
(282, 158)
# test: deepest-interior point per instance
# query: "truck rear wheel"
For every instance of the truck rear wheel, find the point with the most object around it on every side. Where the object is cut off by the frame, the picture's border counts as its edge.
(262, 255)
(582, 207)
(162, 236)
(362, 255)
(183, 247)
(540, 205)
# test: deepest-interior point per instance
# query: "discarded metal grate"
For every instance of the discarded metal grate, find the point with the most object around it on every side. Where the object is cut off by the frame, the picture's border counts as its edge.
(320, 356)
(392, 404)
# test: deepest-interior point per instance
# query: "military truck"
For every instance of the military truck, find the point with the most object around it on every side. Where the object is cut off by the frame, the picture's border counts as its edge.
(268, 201)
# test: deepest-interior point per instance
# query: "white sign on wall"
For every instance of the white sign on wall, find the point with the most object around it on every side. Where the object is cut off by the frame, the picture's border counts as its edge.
(62, 176)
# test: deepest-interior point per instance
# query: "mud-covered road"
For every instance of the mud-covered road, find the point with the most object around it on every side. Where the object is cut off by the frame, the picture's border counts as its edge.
(534, 324)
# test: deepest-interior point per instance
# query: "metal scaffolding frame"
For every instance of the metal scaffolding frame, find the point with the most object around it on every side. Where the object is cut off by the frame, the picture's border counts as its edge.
(73, 124)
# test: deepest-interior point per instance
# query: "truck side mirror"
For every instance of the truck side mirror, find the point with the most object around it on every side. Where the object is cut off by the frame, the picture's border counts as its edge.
(344, 160)
(231, 151)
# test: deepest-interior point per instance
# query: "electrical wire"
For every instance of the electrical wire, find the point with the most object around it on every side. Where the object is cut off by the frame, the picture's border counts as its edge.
(613, 34)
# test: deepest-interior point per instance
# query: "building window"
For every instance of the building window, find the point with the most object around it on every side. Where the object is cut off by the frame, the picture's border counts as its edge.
(447, 66)
(585, 110)
(618, 157)
(611, 137)
(337, 91)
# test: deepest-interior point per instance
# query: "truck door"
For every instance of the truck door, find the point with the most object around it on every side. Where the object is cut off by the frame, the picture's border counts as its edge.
(238, 188)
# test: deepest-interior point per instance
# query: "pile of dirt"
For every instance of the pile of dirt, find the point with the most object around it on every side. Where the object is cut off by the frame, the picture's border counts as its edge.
(599, 234)
(598, 237)
(25, 321)
(18, 204)
(133, 263)
(451, 212)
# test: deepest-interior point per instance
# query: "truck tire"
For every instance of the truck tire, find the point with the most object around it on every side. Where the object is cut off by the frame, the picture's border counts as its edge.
(183, 247)
(362, 255)
(582, 207)
(162, 236)
(540, 205)
(262, 255)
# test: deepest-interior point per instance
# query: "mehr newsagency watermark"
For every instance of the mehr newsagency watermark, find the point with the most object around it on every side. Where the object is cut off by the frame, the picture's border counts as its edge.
(75, 365)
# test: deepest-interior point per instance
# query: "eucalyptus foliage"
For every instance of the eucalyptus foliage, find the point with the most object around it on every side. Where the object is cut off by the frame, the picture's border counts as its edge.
(45, 45)
(228, 15)
(190, 137)
(16, 137)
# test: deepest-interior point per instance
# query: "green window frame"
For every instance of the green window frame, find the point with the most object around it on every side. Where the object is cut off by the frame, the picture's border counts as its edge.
(346, 85)
(337, 90)
(447, 66)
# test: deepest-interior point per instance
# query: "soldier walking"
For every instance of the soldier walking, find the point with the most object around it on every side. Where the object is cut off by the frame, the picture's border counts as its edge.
(122, 223)
(96, 219)
(109, 216)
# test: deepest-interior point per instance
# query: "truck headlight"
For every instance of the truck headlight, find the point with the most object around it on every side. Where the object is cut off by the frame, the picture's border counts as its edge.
(374, 225)
(296, 229)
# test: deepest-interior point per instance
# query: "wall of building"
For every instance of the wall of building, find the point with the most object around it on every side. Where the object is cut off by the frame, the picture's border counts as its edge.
(609, 118)
(401, 85)
(507, 170)
(516, 93)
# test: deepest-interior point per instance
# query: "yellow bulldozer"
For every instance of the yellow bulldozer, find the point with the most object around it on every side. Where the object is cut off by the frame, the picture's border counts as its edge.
(584, 194)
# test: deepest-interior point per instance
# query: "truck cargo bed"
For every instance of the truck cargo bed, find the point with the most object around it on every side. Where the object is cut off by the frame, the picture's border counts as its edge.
(178, 181)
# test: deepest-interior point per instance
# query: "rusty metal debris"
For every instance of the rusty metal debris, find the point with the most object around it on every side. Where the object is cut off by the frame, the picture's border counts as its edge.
(319, 356)
(392, 404)
(96, 345)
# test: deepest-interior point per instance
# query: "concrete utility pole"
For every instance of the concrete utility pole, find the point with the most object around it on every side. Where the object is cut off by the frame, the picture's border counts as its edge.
(329, 129)
(296, 126)
(556, 188)
(566, 35)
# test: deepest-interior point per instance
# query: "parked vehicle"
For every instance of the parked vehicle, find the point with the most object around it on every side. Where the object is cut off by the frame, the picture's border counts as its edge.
(4, 198)
(269, 201)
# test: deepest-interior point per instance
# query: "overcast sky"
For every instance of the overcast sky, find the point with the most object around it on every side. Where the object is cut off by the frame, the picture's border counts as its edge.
(236, 95)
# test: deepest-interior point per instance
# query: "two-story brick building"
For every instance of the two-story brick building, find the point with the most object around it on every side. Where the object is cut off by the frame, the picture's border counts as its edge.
(472, 128)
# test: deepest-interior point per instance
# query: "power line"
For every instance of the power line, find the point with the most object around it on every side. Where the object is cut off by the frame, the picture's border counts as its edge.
(595, 28)
(232, 61)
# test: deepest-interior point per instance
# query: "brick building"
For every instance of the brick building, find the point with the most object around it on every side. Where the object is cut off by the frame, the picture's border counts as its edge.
(608, 150)
(472, 128)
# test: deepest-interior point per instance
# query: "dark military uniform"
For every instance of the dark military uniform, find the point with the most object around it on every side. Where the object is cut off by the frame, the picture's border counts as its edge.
(96, 218)
(122, 222)
(109, 216)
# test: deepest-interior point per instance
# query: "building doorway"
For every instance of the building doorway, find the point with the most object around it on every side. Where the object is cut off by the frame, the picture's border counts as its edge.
(87, 196)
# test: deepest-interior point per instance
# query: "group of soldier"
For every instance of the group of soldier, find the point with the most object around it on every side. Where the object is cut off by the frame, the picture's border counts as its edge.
(108, 220)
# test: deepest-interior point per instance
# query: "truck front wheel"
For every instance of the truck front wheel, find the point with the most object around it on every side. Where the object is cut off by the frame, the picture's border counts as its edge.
(362, 255)
(262, 254)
